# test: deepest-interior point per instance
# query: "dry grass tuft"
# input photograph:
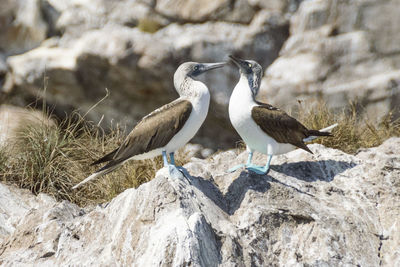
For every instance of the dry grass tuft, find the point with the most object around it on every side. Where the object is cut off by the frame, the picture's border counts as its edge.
(354, 131)
(50, 158)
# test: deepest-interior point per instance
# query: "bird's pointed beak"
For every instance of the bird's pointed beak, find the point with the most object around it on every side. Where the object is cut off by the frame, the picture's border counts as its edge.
(211, 66)
(238, 62)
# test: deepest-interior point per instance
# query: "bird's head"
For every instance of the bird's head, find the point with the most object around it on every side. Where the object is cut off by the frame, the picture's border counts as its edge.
(251, 70)
(193, 70)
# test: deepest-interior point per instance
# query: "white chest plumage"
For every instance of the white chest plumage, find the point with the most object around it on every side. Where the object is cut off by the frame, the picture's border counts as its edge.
(200, 102)
(240, 107)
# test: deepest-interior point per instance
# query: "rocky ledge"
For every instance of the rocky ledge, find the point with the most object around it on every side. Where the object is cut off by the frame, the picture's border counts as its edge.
(325, 209)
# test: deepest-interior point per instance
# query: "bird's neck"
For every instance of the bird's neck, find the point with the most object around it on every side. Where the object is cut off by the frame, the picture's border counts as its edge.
(190, 88)
(242, 91)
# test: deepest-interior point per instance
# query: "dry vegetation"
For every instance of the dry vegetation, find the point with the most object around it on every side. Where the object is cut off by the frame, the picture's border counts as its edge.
(354, 131)
(51, 158)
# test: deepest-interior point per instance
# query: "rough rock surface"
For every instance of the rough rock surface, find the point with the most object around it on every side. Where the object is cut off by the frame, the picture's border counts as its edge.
(191, 10)
(15, 204)
(22, 26)
(340, 51)
(326, 209)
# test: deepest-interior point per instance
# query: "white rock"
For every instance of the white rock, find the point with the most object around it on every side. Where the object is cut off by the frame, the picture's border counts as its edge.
(191, 10)
(331, 48)
(22, 26)
(15, 204)
(328, 208)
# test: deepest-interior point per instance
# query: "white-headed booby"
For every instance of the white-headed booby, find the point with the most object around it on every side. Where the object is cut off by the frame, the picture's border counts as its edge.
(168, 128)
(262, 127)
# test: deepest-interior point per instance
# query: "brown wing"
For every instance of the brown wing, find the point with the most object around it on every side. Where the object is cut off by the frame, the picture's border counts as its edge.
(280, 126)
(152, 132)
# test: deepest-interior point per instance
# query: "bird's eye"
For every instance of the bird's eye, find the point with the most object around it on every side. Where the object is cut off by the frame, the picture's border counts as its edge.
(196, 67)
(250, 65)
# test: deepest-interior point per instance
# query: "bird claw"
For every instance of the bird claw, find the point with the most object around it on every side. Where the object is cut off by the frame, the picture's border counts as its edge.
(172, 168)
(233, 169)
(180, 173)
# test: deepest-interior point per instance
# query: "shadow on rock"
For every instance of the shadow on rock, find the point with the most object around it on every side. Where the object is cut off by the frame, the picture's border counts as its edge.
(208, 188)
(308, 171)
(311, 171)
(251, 181)
(238, 188)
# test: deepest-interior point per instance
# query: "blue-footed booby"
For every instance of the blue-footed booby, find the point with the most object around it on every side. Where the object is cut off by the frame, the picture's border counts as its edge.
(262, 127)
(168, 128)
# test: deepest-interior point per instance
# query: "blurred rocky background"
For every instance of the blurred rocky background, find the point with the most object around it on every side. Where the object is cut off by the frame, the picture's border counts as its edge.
(337, 51)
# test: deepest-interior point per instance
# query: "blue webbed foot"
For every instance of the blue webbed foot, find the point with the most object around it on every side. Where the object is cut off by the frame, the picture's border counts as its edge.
(242, 165)
(254, 168)
(258, 169)
(171, 167)
(233, 169)
(174, 171)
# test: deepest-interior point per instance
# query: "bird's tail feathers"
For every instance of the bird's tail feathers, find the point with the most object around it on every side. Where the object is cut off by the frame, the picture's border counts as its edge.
(314, 134)
(108, 157)
(329, 128)
(318, 133)
(106, 169)
(89, 178)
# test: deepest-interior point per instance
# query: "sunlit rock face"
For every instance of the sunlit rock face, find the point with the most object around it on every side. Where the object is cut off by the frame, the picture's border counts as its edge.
(327, 208)
(339, 52)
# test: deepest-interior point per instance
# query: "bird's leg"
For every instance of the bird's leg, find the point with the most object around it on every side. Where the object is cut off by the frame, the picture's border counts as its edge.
(180, 168)
(165, 159)
(249, 158)
(172, 169)
(242, 165)
(260, 169)
(172, 158)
